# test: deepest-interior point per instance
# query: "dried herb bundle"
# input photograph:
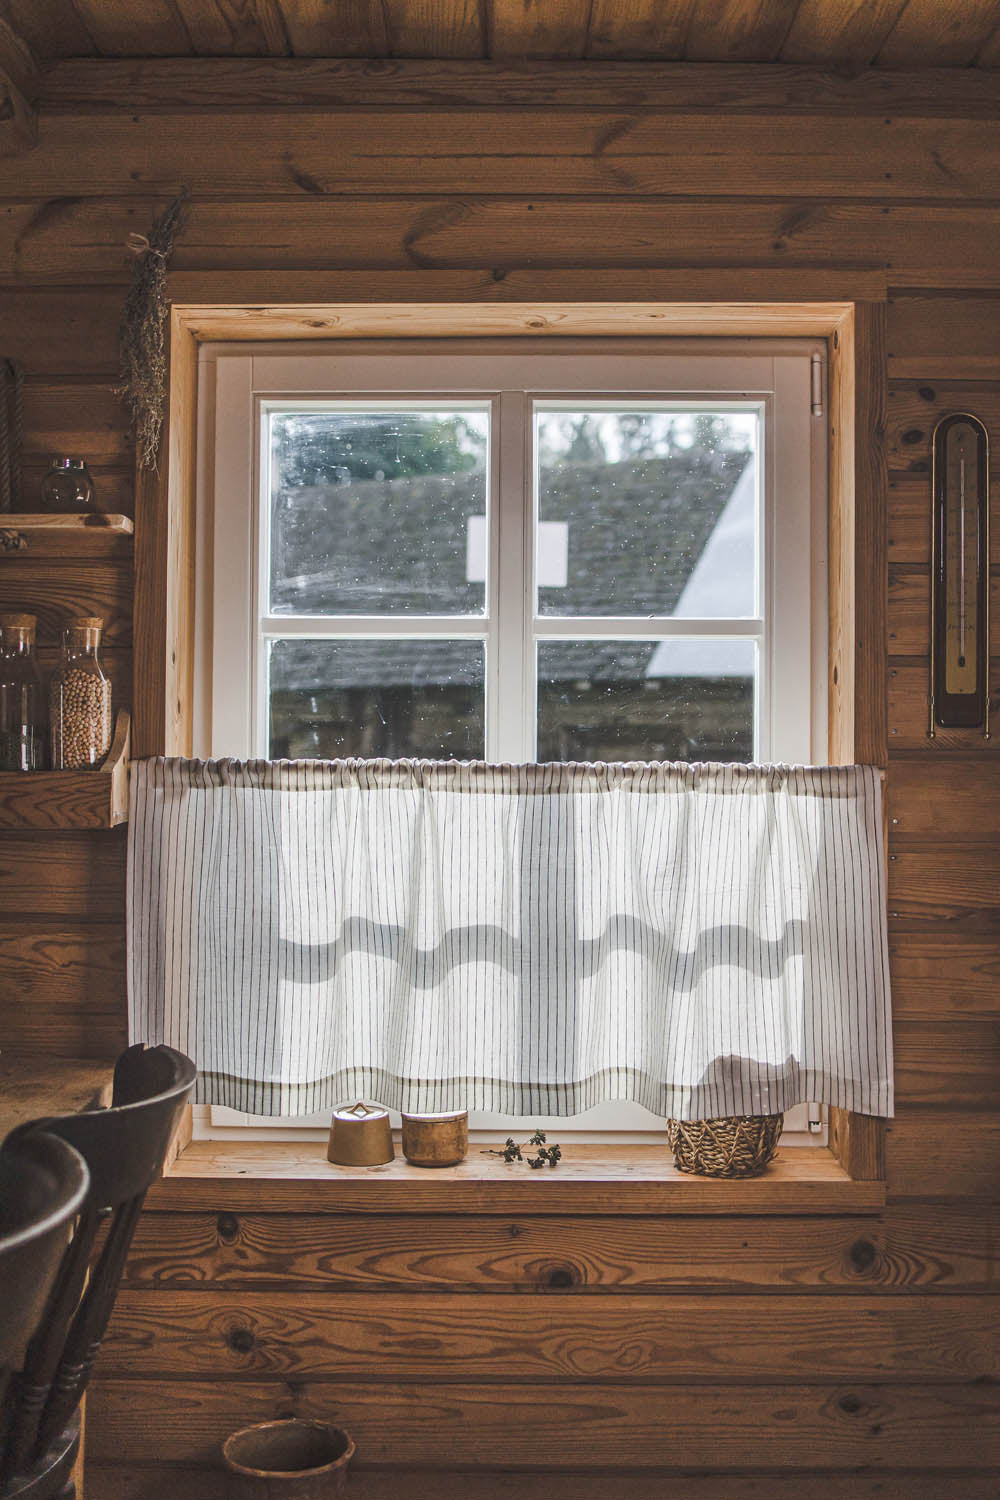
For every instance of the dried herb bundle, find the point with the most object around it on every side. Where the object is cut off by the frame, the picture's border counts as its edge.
(143, 331)
(11, 434)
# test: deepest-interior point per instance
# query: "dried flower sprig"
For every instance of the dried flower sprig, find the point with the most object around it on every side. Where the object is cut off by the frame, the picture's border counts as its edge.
(143, 331)
(545, 1155)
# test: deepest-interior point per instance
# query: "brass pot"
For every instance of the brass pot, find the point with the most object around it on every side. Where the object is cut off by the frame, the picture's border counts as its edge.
(436, 1140)
(360, 1137)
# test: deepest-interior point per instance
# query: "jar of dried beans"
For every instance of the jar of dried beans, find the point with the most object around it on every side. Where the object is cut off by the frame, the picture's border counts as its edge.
(80, 699)
(23, 720)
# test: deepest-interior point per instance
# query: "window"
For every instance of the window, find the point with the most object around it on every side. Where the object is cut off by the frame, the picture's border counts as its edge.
(568, 550)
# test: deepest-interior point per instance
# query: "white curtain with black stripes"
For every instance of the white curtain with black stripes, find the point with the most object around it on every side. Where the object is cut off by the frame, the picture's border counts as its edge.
(702, 939)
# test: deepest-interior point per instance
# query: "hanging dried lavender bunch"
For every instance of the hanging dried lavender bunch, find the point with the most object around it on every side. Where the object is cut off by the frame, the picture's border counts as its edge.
(143, 331)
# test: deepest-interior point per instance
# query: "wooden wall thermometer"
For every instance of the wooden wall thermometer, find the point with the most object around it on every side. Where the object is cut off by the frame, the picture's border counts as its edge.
(960, 575)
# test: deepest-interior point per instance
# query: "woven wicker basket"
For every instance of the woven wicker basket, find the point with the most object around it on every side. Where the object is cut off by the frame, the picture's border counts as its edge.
(734, 1146)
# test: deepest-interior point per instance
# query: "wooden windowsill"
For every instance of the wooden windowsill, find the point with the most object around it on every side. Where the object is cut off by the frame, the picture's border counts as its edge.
(288, 1177)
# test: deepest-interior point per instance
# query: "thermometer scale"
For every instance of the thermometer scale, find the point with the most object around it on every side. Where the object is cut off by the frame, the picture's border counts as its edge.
(960, 579)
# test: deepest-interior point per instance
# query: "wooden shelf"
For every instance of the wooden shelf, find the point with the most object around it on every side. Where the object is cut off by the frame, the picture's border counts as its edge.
(71, 799)
(91, 534)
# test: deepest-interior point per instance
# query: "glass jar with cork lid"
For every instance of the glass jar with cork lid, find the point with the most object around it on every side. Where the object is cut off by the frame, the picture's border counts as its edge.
(23, 719)
(80, 699)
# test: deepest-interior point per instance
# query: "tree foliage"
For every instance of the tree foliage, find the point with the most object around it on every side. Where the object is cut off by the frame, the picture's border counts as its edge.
(313, 448)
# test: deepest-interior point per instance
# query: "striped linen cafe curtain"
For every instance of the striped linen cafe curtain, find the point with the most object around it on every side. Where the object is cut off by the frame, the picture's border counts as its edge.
(703, 939)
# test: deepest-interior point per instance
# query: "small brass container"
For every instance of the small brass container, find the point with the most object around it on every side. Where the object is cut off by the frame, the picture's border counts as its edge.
(360, 1137)
(436, 1140)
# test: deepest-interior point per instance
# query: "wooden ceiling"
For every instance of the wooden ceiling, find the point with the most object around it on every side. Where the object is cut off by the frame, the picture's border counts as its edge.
(848, 34)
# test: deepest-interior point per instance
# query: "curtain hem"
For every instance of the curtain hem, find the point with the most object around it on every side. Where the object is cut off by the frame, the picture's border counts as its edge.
(503, 1096)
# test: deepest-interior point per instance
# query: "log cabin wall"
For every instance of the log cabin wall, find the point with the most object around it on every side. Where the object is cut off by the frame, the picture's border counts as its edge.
(843, 1358)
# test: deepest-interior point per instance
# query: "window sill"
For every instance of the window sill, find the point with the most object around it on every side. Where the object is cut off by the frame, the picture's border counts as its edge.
(290, 1177)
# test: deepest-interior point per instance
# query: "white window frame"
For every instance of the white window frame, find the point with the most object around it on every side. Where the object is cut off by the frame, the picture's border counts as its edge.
(238, 385)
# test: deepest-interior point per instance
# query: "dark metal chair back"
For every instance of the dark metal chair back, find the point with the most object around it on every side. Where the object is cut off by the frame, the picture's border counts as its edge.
(43, 1186)
(124, 1148)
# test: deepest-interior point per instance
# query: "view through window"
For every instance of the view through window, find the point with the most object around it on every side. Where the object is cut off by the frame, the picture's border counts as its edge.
(642, 515)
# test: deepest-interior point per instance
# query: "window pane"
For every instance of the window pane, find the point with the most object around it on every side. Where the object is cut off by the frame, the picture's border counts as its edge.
(378, 512)
(646, 700)
(646, 512)
(377, 698)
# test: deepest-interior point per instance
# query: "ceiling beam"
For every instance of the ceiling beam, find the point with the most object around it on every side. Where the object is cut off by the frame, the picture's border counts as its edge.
(251, 83)
(19, 84)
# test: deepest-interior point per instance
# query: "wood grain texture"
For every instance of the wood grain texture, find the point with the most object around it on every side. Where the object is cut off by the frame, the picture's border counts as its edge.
(76, 418)
(62, 984)
(329, 81)
(943, 974)
(234, 27)
(295, 1176)
(722, 1427)
(523, 28)
(352, 28)
(18, 62)
(31, 1087)
(944, 338)
(954, 799)
(857, 1142)
(948, 1062)
(953, 886)
(425, 28)
(95, 798)
(915, 407)
(910, 517)
(910, 607)
(909, 715)
(50, 28)
(901, 1251)
(605, 154)
(644, 28)
(56, 591)
(727, 30)
(138, 1483)
(70, 537)
(824, 31)
(64, 799)
(18, 119)
(934, 1153)
(686, 302)
(152, 29)
(870, 535)
(59, 332)
(955, 30)
(939, 244)
(462, 1339)
(76, 875)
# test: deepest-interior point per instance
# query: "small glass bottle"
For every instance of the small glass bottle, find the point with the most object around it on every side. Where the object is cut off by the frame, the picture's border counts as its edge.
(80, 699)
(68, 487)
(23, 720)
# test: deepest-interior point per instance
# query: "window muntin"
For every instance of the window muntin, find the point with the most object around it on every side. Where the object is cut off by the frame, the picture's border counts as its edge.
(513, 549)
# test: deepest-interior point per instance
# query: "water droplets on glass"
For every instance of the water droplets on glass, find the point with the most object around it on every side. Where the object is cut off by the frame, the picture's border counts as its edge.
(646, 700)
(658, 511)
(378, 512)
(373, 698)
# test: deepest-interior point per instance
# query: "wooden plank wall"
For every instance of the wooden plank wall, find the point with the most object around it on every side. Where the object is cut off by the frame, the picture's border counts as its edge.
(712, 1360)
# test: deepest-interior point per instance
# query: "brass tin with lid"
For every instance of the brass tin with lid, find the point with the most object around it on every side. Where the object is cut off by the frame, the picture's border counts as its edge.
(360, 1136)
(439, 1140)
